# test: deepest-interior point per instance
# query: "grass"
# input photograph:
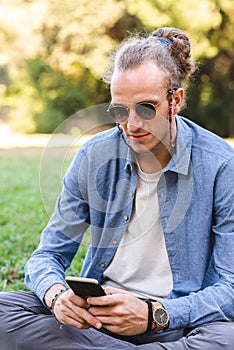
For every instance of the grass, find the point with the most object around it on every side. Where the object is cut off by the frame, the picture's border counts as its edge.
(22, 217)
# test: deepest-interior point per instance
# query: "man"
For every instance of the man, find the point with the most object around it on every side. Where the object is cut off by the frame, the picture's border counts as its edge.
(158, 194)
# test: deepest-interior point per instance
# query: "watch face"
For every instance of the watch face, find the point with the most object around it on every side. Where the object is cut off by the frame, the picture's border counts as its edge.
(160, 316)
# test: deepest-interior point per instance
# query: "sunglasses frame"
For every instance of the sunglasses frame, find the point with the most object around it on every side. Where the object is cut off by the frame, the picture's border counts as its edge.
(127, 109)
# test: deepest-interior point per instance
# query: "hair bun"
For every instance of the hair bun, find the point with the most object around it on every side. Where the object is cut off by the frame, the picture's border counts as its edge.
(180, 49)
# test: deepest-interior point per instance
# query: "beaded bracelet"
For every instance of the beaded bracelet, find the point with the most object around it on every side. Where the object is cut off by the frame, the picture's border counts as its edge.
(55, 297)
(150, 316)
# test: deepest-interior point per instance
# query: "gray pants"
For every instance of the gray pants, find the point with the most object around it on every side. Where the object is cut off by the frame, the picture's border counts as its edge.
(25, 324)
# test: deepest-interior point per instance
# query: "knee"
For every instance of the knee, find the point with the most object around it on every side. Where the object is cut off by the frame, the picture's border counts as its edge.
(223, 335)
(5, 301)
(228, 334)
(215, 335)
(5, 324)
(4, 297)
(10, 307)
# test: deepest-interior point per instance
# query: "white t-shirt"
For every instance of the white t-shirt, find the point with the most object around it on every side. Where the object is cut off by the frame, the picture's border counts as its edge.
(141, 263)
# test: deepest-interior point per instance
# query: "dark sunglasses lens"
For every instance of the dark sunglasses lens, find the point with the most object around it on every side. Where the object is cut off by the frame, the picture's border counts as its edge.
(146, 110)
(119, 113)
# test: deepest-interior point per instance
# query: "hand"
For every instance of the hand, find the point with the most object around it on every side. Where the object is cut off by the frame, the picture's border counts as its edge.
(120, 312)
(72, 310)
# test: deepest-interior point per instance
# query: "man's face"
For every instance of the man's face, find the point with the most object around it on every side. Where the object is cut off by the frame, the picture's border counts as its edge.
(144, 83)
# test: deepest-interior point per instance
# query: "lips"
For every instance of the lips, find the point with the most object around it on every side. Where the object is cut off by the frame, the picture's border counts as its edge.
(137, 137)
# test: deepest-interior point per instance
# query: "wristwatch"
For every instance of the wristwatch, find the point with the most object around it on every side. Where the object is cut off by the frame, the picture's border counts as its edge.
(160, 317)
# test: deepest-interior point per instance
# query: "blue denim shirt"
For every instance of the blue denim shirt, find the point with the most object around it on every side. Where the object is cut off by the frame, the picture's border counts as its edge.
(196, 199)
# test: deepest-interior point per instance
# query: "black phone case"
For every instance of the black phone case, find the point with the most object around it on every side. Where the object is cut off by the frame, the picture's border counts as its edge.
(86, 289)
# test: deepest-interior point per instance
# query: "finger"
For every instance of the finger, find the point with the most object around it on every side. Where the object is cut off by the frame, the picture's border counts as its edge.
(107, 300)
(112, 290)
(77, 300)
(72, 310)
(79, 317)
(90, 319)
(101, 311)
(71, 321)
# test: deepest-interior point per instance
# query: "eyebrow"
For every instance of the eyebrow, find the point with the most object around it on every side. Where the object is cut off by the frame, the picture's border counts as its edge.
(153, 102)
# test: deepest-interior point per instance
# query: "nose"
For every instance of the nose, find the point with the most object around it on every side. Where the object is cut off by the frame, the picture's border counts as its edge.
(134, 121)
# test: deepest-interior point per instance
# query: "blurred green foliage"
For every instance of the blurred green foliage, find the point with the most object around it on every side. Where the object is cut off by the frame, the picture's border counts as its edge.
(60, 94)
(53, 56)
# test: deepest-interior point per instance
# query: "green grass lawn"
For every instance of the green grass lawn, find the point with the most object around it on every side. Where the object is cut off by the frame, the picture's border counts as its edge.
(22, 216)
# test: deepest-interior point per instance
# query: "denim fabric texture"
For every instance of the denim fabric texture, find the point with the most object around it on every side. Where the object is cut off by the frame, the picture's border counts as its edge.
(196, 199)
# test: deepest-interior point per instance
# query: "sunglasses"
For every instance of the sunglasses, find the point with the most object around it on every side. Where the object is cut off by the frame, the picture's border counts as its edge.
(120, 113)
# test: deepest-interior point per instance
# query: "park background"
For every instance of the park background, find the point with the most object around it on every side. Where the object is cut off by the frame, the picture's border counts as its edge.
(52, 58)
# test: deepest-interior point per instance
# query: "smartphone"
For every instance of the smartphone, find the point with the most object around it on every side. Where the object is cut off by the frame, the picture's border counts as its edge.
(85, 287)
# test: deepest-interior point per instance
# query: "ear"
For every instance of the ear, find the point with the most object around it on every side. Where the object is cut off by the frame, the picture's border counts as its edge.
(178, 98)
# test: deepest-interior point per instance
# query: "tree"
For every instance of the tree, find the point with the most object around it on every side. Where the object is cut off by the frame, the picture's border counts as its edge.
(210, 25)
(72, 41)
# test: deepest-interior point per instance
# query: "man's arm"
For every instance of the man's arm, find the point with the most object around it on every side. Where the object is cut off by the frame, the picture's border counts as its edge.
(216, 301)
(54, 290)
(60, 239)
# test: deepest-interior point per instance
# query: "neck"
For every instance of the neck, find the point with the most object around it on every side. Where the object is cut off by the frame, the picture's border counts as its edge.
(151, 163)
(158, 158)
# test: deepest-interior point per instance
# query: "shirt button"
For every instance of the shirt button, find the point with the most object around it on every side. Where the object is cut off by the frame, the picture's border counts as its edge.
(126, 217)
(131, 194)
(102, 265)
(114, 242)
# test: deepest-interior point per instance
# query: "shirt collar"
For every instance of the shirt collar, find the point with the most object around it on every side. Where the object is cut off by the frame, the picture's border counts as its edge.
(130, 161)
(181, 158)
